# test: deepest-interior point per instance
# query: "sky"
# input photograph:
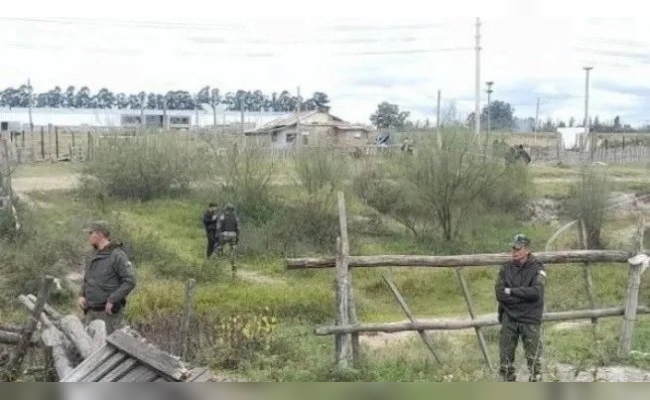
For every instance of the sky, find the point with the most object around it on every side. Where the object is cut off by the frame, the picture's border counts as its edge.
(360, 54)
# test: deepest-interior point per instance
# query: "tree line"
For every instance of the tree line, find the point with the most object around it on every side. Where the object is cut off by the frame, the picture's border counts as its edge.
(240, 100)
(502, 118)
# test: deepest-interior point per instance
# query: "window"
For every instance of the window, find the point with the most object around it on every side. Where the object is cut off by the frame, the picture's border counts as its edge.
(274, 137)
(179, 120)
(291, 137)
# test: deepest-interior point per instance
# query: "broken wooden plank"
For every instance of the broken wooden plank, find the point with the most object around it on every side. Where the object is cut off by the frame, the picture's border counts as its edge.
(148, 354)
(120, 370)
(53, 339)
(72, 327)
(89, 364)
(104, 368)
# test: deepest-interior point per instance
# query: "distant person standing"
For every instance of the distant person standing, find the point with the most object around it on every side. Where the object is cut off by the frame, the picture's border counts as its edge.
(519, 292)
(228, 228)
(210, 217)
(108, 279)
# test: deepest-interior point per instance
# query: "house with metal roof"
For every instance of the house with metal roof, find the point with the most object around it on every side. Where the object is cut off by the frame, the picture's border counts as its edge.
(317, 128)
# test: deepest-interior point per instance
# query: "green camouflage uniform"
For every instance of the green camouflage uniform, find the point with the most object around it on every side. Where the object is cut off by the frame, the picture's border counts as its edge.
(520, 313)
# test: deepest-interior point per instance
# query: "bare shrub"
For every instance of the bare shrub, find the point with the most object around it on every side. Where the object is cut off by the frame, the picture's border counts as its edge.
(142, 168)
(588, 200)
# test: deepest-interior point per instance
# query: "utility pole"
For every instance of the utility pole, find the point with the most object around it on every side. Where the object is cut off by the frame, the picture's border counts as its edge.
(31, 96)
(298, 135)
(477, 105)
(438, 137)
(586, 124)
(536, 122)
(489, 93)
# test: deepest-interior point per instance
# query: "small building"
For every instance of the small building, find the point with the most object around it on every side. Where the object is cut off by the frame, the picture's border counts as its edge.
(19, 119)
(316, 128)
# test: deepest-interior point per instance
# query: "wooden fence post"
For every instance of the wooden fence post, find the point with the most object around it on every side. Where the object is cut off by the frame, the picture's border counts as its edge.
(344, 352)
(187, 317)
(582, 235)
(345, 253)
(638, 265)
(17, 356)
(43, 143)
(56, 140)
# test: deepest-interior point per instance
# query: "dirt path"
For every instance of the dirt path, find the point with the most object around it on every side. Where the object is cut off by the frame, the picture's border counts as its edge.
(33, 183)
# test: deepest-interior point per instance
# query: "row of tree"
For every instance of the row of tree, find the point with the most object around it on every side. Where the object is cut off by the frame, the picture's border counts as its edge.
(241, 100)
(501, 115)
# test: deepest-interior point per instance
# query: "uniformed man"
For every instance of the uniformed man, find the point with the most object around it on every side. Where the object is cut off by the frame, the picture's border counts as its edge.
(210, 217)
(108, 279)
(519, 291)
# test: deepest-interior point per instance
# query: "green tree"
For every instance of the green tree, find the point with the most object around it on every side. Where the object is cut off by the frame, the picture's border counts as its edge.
(389, 116)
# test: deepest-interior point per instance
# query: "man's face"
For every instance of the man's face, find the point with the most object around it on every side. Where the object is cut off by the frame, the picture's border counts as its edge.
(94, 237)
(519, 253)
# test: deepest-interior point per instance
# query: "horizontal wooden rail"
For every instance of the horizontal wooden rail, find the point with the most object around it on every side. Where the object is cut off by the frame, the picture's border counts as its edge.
(471, 260)
(482, 321)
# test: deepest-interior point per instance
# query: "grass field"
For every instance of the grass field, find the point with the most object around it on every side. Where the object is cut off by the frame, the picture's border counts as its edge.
(166, 241)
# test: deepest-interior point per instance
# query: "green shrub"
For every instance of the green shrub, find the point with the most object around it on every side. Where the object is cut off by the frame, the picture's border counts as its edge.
(142, 167)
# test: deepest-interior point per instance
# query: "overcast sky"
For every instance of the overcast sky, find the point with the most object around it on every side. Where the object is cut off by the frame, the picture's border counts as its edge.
(359, 54)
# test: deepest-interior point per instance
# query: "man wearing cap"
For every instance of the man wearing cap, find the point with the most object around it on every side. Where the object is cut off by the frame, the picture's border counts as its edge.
(519, 291)
(108, 279)
(210, 224)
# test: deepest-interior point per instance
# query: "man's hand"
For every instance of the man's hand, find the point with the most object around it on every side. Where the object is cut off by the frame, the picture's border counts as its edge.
(109, 308)
(507, 291)
(81, 301)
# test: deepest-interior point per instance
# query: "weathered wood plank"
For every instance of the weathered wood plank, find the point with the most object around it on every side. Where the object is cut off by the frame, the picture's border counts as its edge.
(486, 320)
(160, 379)
(89, 364)
(148, 376)
(72, 327)
(149, 355)
(137, 373)
(468, 260)
(104, 368)
(120, 370)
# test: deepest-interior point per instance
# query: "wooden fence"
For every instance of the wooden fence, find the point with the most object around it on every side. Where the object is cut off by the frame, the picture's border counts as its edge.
(347, 327)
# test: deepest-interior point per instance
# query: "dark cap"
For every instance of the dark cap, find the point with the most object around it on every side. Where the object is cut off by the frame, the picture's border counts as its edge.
(99, 226)
(520, 240)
